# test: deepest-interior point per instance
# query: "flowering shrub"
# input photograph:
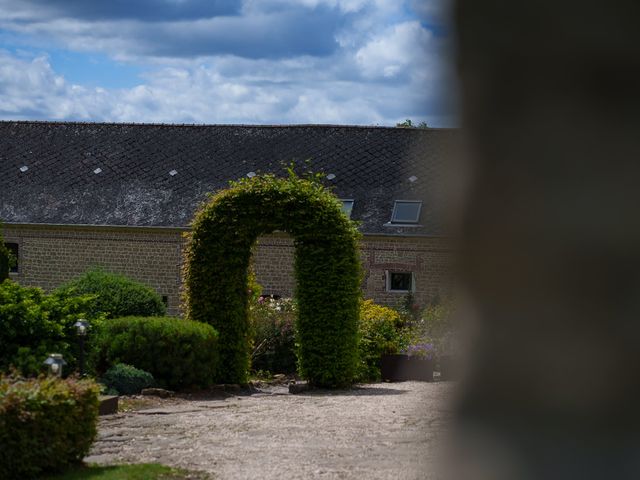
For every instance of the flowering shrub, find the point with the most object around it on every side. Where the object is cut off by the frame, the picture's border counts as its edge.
(273, 327)
(421, 350)
(381, 331)
(432, 330)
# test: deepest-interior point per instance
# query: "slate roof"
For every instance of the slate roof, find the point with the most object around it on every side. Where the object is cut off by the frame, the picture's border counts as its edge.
(134, 187)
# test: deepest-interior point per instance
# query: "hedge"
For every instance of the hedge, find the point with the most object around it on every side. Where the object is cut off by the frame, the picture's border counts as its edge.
(46, 424)
(178, 353)
(327, 271)
(116, 295)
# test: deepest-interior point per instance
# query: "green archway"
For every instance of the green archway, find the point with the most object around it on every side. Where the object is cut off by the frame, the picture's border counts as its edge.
(327, 270)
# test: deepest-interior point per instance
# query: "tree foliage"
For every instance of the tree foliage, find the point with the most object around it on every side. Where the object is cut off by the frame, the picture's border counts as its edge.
(327, 271)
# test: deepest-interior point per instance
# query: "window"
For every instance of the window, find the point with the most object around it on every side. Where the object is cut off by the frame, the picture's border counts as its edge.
(13, 248)
(347, 206)
(400, 282)
(406, 211)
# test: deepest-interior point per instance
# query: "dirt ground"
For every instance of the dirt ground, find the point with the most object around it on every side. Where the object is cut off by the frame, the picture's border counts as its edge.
(377, 431)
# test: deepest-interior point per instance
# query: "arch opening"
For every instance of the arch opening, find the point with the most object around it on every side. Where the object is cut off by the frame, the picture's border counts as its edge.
(326, 266)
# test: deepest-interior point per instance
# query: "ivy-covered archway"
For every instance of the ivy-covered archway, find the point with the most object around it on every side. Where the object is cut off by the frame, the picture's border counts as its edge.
(327, 271)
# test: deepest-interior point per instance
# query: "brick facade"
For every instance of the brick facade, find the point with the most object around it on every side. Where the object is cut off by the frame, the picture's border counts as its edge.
(52, 255)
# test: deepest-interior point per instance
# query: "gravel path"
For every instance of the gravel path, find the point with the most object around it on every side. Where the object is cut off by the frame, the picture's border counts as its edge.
(378, 431)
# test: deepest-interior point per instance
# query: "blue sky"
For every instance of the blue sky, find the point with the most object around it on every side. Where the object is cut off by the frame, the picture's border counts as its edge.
(368, 62)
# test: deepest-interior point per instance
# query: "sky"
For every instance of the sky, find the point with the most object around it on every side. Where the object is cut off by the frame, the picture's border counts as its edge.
(365, 62)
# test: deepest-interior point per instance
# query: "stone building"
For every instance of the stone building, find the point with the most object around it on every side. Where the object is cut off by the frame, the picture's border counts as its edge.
(121, 196)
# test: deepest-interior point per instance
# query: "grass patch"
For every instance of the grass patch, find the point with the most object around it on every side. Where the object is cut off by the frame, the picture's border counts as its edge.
(146, 471)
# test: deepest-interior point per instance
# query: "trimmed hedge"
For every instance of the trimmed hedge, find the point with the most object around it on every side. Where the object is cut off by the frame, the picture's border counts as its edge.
(46, 424)
(327, 271)
(178, 353)
(34, 324)
(381, 332)
(116, 295)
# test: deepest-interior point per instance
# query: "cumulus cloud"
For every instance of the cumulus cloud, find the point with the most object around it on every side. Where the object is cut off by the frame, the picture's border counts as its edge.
(250, 61)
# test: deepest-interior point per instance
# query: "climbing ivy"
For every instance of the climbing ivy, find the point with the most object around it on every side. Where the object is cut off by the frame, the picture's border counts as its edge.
(327, 271)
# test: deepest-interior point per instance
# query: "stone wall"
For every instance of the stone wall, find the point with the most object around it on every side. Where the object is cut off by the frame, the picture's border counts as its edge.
(52, 255)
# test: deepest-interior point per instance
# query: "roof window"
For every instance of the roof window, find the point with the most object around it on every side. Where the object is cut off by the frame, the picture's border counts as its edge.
(347, 207)
(406, 211)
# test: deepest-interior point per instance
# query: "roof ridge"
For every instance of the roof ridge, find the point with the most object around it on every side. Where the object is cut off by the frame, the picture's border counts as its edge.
(223, 125)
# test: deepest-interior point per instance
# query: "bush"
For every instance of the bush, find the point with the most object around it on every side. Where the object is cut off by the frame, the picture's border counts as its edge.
(434, 327)
(327, 271)
(381, 332)
(5, 259)
(272, 323)
(127, 380)
(46, 424)
(178, 353)
(116, 295)
(34, 324)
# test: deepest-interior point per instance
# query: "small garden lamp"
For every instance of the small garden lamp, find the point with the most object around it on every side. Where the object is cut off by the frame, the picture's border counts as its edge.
(55, 362)
(81, 327)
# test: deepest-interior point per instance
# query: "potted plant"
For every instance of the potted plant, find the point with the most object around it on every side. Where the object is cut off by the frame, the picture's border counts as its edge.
(415, 362)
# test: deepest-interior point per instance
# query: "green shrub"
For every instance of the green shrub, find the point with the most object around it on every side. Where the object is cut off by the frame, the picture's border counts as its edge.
(381, 332)
(34, 324)
(46, 424)
(434, 326)
(5, 257)
(327, 271)
(178, 353)
(116, 295)
(126, 379)
(272, 323)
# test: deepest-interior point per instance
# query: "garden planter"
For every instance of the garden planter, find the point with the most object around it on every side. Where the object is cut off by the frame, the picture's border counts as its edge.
(398, 368)
(447, 368)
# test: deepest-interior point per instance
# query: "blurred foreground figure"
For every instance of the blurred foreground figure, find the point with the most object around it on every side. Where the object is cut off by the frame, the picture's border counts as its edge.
(551, 239)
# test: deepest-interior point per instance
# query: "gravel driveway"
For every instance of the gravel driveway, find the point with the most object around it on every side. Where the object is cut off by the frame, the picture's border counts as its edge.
(377, 431)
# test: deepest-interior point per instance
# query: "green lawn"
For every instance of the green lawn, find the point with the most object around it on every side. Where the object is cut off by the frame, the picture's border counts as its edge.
(147, 471)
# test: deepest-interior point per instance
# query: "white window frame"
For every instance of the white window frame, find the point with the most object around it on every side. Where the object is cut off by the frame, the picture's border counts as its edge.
(387, 275)
(394, 221)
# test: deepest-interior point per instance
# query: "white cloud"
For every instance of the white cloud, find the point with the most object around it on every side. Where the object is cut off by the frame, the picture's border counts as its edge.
(399, 50)
(384, 69)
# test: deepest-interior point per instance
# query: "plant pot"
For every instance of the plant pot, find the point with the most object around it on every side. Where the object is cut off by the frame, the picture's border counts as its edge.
(447, 368)
(398, 368)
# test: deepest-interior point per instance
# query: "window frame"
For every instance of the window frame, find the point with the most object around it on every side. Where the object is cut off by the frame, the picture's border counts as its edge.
(389, 273)
(395, 221)
(15, 270)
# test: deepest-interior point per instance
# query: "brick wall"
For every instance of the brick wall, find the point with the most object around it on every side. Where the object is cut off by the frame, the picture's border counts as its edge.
(51, 255)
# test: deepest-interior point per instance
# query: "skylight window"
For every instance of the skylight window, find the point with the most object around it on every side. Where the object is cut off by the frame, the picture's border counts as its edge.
(347, 206)
(173, 173)
(24, 168)
(406, 211)
(97, 171)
